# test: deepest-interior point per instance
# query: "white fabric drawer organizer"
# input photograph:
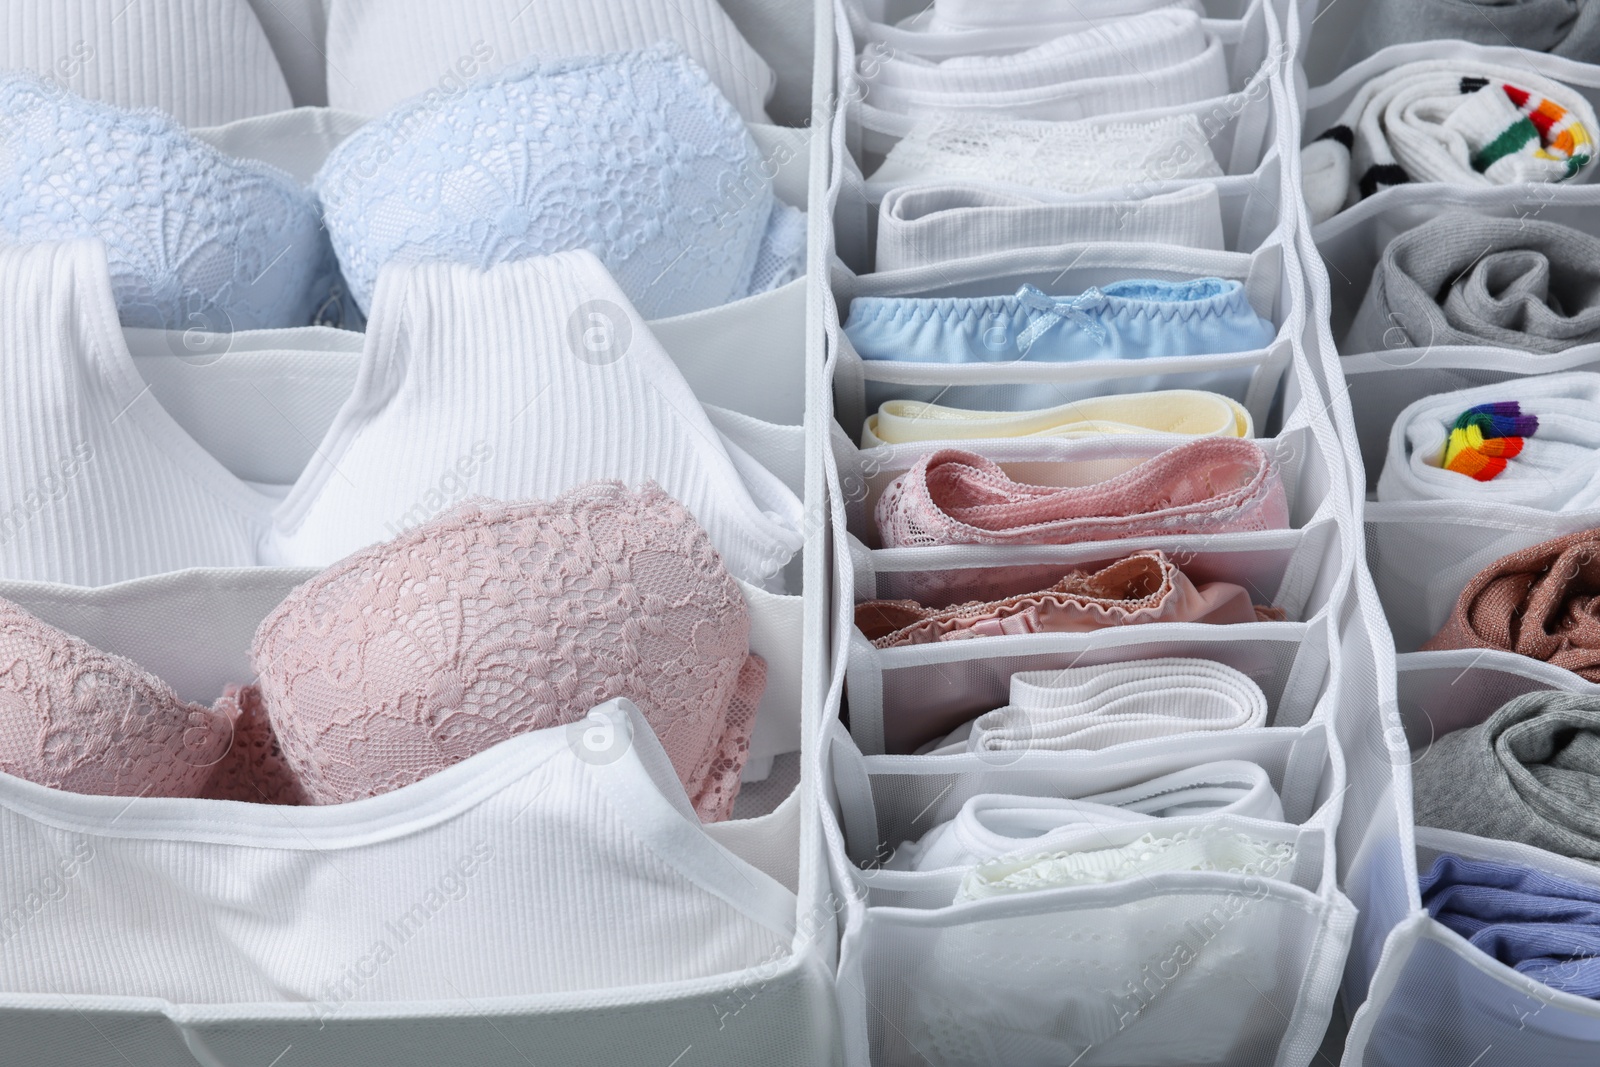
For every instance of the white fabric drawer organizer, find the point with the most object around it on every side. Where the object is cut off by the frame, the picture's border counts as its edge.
(287, 979)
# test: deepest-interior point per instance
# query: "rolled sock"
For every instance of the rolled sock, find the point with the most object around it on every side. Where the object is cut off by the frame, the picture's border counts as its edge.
(1542, 602)
(1189, 412)
(1561, 27)
(939, 222)
(1541, 450)
(1067, 157)
(1529, 773)
(1455, 121)
(1465, 279)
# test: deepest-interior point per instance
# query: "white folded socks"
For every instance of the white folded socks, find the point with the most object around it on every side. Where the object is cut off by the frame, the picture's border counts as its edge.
(1111, 704)
(1068, 157)
(939, 222)
(1542, 453)
(992, 825)
(1153, 60)
(1189, 412)
(1448, 120)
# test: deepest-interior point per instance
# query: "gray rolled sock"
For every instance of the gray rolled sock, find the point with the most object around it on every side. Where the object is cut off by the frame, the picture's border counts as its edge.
(1463, 279)
(1530, 773)
(1565, 27)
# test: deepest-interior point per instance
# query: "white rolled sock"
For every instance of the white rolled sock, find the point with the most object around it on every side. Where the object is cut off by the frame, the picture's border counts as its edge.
(939, 222)
(1426, 122)
(1558, 468)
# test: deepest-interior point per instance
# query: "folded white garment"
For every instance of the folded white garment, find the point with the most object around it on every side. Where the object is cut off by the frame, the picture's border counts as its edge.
(1068, 157)
(991, 28)
(1537, 446)
(1087, 708)
(1153, 60)
(992, 825)
(1190, 412)
(382, 52)
(560, 860)
(938, 222)
(1200, 848)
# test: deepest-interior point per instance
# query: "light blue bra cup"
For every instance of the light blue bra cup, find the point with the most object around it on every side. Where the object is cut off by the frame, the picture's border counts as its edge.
(1122, 320)
(635, 156)
(195, 239)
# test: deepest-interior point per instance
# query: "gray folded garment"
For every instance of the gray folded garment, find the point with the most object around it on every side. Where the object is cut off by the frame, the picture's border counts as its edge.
(1464, 279)
(1531, 773)
(1562, 27)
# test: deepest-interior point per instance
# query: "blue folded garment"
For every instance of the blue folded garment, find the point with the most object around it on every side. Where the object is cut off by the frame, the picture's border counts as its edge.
(1545, 926)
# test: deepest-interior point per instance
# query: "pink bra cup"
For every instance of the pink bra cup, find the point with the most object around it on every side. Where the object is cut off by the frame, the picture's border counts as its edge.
(1211, 485)
(1144, 587)
(410, 656)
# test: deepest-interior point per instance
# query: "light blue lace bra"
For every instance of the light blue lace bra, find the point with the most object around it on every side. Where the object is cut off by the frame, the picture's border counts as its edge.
(635, 156)
(195, 239)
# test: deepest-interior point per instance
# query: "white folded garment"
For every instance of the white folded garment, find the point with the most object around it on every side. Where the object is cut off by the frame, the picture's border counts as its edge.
(1189, 412)
(1068, 157)
(992, 825)
(1198, 848)
(1556, 469)
(938, 222)
(560, 860)
(1096, 707)
(1157, 59)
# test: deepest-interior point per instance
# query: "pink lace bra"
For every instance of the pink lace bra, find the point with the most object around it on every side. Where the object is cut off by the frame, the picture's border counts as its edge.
(1212, 485)
(412, 655)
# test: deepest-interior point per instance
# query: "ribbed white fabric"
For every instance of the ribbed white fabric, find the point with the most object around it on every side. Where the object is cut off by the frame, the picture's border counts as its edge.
(522, 381)
(205, 62)
(1152, 60)
(560, 860)
(990, 14)
(1558, 468)
(992, 825)
(1202, 848)
(939, 222)
(1190, 412)
(381, 52)
(928, 33)
(1111, 704)
(1068, 157)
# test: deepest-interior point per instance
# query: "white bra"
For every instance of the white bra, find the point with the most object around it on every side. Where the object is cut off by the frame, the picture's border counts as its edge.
(381, 52)
(514, 383)
(560, 860)
(210, 62)
(204, 62)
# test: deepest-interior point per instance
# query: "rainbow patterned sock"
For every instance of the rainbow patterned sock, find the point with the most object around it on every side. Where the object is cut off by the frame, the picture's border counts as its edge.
(1485, 437)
